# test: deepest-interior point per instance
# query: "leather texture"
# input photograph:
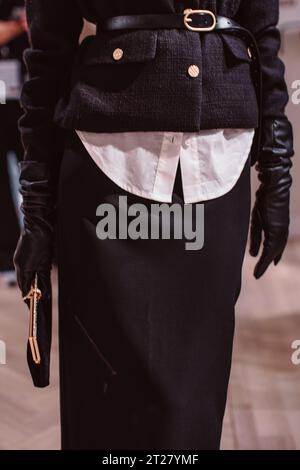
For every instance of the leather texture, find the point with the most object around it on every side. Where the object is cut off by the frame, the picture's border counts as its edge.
(271, 212)
(149, 21)
(34, 254)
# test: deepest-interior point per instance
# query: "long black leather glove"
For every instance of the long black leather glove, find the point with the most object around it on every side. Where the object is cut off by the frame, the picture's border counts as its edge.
(271, 214)
(34, 255)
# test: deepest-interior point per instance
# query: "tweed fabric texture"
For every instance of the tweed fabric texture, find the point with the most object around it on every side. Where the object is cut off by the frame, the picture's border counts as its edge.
(83, 87)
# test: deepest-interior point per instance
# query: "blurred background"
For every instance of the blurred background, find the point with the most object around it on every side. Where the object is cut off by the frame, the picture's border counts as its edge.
(263, 410)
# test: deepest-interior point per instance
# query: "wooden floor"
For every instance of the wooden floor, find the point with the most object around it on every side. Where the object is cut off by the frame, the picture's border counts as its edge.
(263, 409)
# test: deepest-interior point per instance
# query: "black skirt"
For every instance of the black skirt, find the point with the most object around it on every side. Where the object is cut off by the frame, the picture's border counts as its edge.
(145, 326)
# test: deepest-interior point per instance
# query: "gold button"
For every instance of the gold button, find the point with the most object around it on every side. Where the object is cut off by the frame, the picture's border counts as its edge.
(118, 54)
(193, 71)
(249, 52)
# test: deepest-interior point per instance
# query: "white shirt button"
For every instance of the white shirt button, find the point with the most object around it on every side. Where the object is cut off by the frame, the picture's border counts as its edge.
(118, 53)
(193, 71)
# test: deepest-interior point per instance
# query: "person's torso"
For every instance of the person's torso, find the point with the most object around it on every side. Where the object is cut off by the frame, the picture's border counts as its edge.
(163, 79)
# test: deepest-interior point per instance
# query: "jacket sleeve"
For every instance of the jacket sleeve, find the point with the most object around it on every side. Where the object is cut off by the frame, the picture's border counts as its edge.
(261, 18)
(54, 30)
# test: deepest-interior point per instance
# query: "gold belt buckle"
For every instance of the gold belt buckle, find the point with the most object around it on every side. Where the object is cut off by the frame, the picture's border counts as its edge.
(187, 19)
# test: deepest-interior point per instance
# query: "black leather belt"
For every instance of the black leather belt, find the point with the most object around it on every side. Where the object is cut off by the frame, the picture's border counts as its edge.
(195, 18)
(201, 21)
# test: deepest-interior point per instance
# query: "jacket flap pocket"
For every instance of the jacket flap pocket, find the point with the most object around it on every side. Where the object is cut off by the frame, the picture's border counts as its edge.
(119, 48)
(236, 48)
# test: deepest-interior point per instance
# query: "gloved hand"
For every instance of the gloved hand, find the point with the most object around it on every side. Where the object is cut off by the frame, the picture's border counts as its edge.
(34, 254)
(271, 215)
(35, 246)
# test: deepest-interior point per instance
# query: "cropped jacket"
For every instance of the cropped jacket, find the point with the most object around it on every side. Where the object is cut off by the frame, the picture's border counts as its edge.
(81, 85)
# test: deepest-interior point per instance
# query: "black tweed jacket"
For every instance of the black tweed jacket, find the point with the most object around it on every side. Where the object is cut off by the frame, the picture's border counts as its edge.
(84, 87)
